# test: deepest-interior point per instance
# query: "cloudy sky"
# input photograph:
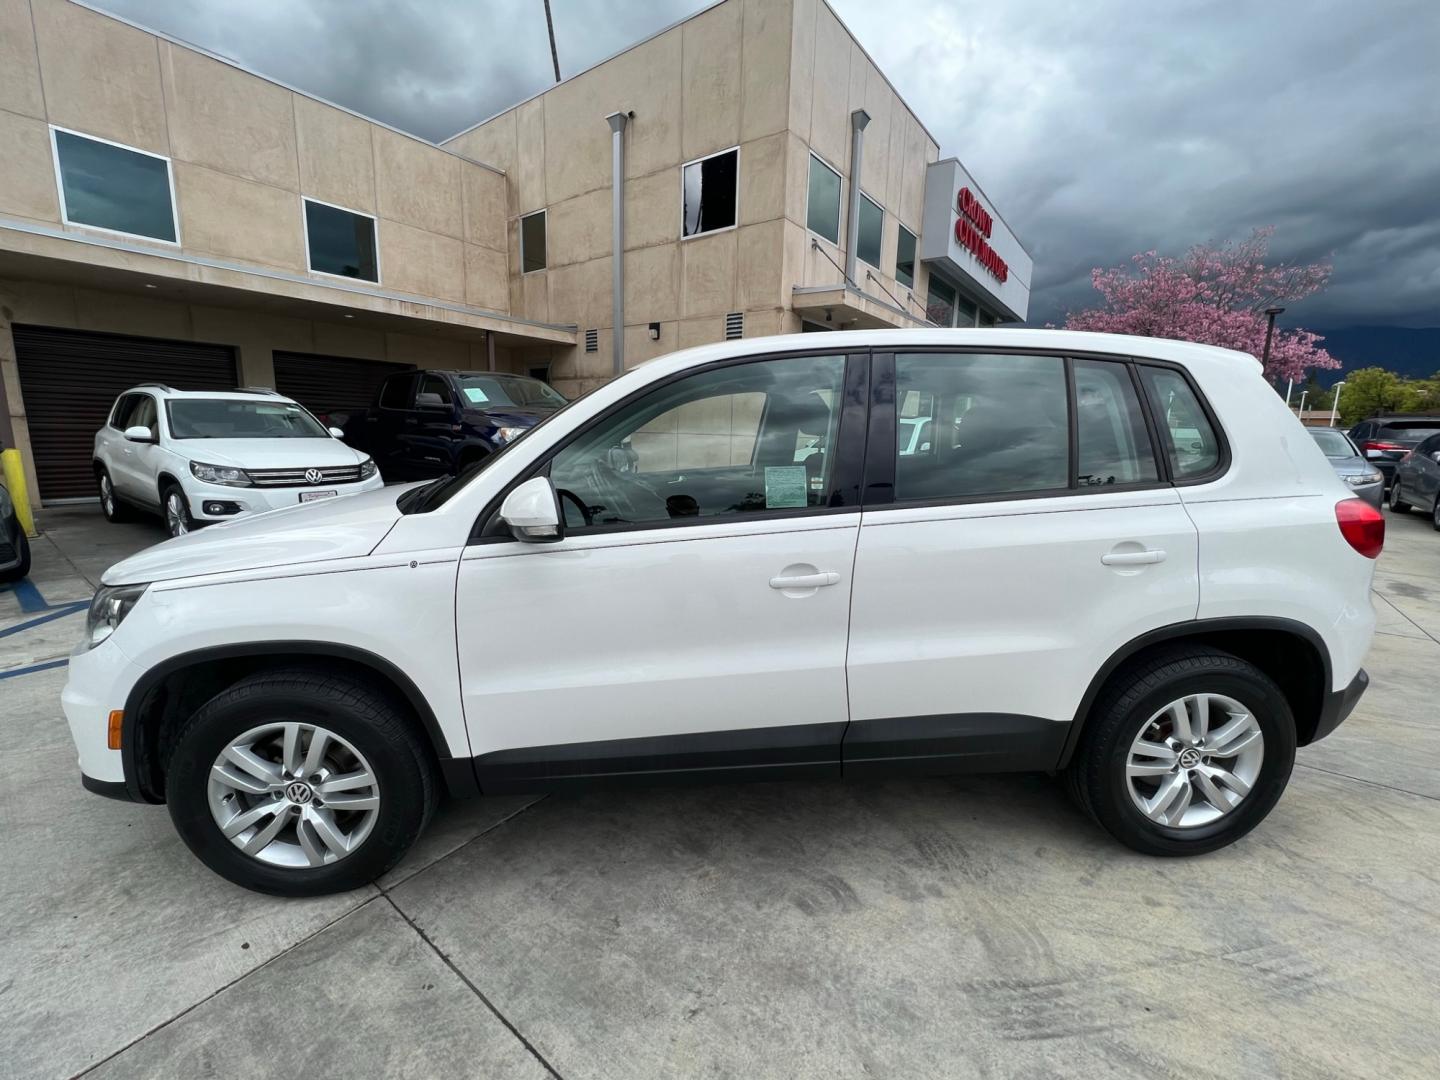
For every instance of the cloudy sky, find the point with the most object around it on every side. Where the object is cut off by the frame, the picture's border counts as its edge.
(1099, 129)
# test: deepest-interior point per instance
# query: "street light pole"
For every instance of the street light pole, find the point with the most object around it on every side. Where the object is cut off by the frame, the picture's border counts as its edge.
(1335, 402)
(1301, 411)
(1270, 333)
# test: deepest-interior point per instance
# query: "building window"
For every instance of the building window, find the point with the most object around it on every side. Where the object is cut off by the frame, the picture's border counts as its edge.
(340, 242)
(872, 228)
(822, 212)
(940, 304)
(905, 258)
(108, 186)
(532, 242)
(711, 192)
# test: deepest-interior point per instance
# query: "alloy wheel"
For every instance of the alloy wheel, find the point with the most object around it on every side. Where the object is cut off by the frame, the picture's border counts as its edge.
(107, 495)
(176, 520)
(1195, 761)
(293, 795)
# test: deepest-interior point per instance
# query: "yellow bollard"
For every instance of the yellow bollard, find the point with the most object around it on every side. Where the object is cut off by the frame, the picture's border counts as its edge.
(14, 474)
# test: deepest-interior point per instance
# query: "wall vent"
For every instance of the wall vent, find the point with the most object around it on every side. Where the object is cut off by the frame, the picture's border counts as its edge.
(734, 325)
(592, 340)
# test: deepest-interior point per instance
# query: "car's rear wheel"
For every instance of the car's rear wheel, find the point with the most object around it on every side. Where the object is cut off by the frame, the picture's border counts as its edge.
(1435, 512)
(110, 504)
(22, 567)
(1397, 504)
(178, 521)
(1185, 752)
(298, 783)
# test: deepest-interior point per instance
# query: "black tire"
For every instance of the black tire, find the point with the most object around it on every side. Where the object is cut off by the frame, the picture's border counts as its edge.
(1435, 513)
(183, 523)
(1397, 504)
(370, 720)
(1097, 775)
(22, 568)
(114, 510)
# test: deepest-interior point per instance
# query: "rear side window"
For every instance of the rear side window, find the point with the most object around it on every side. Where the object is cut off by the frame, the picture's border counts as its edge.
(1113, 442)
(974, 425)
(1191, 442)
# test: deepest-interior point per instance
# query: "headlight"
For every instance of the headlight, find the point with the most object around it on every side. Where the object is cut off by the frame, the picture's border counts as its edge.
(108, 610)
(367, 468)
(220, 474)
(1361, 479)
(509, 434)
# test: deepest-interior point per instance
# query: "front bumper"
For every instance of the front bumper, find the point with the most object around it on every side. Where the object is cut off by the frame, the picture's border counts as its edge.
(257, 500)
(99, 680)
(1338, 705)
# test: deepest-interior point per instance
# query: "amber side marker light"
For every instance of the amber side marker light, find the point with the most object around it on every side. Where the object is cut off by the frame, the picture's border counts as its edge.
(112, 730)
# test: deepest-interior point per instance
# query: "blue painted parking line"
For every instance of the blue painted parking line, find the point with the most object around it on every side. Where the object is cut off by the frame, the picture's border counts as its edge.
(29, 596)
(58, 612)
(46, 666)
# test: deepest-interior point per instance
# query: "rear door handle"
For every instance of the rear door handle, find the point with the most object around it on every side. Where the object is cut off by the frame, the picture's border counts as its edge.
(1133, 558)
(805, 581)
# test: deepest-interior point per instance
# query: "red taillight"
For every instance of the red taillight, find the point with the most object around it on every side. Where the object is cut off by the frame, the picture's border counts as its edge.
(1362, 526)
(1371, 444)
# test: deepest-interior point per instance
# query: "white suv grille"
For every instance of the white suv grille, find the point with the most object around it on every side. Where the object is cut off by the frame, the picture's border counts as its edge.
(335, 474)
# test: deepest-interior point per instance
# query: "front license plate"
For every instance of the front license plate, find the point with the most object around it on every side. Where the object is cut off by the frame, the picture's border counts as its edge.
(311, 496)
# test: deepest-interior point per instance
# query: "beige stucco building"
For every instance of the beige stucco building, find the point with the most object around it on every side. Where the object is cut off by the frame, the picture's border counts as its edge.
(167, 215)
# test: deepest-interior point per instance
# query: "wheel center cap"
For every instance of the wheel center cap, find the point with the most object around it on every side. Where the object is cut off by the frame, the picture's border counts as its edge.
(1189, 759)
(298, 792)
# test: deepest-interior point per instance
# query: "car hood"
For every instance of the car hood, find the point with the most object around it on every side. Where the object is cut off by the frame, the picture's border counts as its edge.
(512, 415)
(346, 527)
(269, 453)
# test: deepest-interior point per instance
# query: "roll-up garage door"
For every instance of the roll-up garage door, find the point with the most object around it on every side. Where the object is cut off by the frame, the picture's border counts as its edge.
(70, 378)
(331, 387)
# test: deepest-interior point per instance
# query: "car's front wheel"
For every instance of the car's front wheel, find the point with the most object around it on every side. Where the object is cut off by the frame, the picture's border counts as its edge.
(178, 521)
(1185, 752)
(1397, 504)
(299, 783)
(110, 504)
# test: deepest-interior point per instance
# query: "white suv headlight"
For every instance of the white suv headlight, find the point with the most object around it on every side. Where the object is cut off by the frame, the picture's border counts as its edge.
(220, 474)
(367, 468)
(108, 610)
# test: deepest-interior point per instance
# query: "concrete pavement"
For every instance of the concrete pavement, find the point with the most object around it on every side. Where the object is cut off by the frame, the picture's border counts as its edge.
(967, 927)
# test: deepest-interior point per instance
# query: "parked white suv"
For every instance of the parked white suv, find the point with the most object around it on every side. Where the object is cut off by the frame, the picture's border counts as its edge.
(196, 457)
(1117, 558)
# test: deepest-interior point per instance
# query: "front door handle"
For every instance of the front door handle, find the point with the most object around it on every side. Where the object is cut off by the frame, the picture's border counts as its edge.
(805, 581)
(1133, 558)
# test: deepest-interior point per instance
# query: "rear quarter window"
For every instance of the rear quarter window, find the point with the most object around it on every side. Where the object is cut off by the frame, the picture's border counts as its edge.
(1191, 441)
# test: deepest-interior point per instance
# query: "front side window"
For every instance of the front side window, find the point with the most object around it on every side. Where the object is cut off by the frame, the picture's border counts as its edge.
(905, 258)
(1114, 445)
(972, 425)
(732, 441)
(712, 190)
(822, 211)
(123, 408)
(223, 418)
(143, 413)
(113, 187)
(434, 390)
(395, 394)
(1191, 443)
(871, 230)
(340, 242)
(532, 242)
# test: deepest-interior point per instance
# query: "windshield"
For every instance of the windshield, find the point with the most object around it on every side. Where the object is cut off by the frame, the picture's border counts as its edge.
(225, 418)
(1332, 442)
(1410, 434)
(489, 391)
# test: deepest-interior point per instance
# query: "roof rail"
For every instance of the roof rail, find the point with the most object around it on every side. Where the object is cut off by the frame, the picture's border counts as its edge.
(161, 385)
(268, 391)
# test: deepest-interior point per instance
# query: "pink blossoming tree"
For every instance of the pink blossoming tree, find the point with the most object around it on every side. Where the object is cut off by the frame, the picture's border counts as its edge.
(1214, 295)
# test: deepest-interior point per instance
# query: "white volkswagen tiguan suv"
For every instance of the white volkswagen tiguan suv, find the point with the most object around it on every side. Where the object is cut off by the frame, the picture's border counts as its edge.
(1120, 559)
(199, 456)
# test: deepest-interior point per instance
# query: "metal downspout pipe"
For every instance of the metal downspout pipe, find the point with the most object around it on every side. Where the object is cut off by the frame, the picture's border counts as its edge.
(858, 120)
(617, 121)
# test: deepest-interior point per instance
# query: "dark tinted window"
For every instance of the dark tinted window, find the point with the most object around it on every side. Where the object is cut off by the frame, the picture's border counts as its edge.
(123, 408)
(111, 187)
(1407, 432)
(905, 258)
(1191, 443)
(340, 242)
(940, 304)
(1114, 444)
(396, 392)
(222, 418)
(532, 242)
(432, 387)
(710, 190)
(974, 425)
(736, 440)
(872, 228)
(822, 212)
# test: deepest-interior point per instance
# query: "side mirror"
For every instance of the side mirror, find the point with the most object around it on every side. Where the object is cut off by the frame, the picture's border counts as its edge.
(140, 433)
(532, 511)
(337, 432)
(430, 402)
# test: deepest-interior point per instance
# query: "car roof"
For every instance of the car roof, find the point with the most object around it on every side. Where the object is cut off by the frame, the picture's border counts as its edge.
(1404, 418)
(169, 393)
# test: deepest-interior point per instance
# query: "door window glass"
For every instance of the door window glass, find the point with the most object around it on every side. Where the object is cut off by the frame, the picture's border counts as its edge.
(123, 408)
(1190, 441)
(396, 393)
(143, 413)
(1114, 444)
(735, 440)
(433, 391)
(972, 425)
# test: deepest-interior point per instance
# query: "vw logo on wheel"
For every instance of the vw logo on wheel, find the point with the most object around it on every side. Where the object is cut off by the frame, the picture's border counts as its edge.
(298, 792)
(1190, 759)
(313, 476)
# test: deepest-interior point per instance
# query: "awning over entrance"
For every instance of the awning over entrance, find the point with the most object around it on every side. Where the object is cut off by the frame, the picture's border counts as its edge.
(844, 307)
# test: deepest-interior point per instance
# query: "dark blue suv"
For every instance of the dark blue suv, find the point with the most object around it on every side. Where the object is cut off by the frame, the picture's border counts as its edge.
(432, 423)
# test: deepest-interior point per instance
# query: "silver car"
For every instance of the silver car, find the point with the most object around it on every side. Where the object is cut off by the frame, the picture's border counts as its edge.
(1350, 465)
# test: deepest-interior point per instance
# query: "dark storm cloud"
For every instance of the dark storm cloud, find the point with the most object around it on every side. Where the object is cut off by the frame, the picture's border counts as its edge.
(1099, 129)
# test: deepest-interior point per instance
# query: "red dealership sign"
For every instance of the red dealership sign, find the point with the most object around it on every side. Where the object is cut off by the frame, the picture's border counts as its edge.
(972, 230)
